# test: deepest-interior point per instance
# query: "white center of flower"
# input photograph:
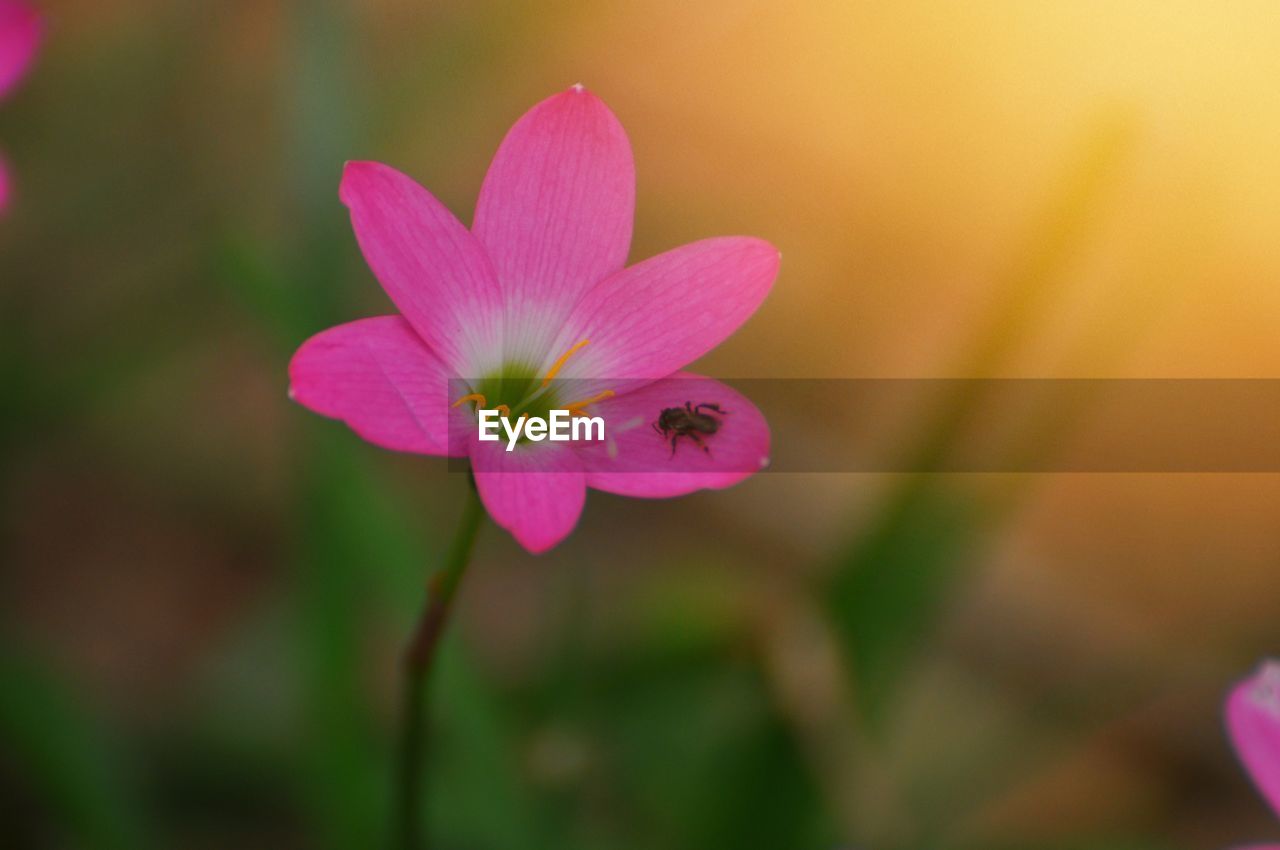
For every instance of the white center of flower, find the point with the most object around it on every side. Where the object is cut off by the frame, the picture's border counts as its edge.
(562, 422)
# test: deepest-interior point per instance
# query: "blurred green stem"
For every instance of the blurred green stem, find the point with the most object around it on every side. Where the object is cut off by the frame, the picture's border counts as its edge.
(419, 659)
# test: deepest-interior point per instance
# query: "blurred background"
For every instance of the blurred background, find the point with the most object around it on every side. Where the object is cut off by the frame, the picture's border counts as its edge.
(205, 588)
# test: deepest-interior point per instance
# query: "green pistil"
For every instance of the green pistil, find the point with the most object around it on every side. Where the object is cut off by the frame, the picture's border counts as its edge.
(516, 386)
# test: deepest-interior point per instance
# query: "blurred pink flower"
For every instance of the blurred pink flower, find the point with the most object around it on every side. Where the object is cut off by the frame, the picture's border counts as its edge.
(1253, 722)
(20, 31)
(534, 308)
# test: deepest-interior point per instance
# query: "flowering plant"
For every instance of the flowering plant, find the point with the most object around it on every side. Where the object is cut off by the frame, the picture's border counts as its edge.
(534, 309)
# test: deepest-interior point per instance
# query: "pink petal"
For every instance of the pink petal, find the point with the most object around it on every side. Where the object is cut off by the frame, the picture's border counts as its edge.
(20, 31)
(6, 191)
(555, 213)
(435, 271)
(635, 460)
(381, 379)
(1253, 721)
(536, 492)
(660, 315)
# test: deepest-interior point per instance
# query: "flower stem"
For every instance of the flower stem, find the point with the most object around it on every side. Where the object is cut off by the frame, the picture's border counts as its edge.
(419, 660)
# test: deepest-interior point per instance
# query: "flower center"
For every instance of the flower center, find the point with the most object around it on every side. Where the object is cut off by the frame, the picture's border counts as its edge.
(481, 403)
(513, 382)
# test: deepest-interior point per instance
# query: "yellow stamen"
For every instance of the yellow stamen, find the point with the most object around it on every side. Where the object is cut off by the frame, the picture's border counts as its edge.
(476, 397)
(575, 409)
(503, 409)
(559, 364)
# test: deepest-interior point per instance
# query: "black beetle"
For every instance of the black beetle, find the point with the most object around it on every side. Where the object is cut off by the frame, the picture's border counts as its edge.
(689, 421)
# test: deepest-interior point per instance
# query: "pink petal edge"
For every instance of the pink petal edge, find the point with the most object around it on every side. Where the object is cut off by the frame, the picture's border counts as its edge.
(660, 315)
(536, 492)
(379, 377)
(21, 30)
(1253, 723)
(636, 461)
(431, 266)
(6, 191)
(555, 213)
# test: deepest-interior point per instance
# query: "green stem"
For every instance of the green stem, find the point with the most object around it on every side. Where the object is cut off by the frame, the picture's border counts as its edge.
(419, 660)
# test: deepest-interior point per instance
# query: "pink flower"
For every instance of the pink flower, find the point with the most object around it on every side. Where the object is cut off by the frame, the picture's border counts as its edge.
(533, 308)
(4, 186)
(20, 31)
(1253, 722)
